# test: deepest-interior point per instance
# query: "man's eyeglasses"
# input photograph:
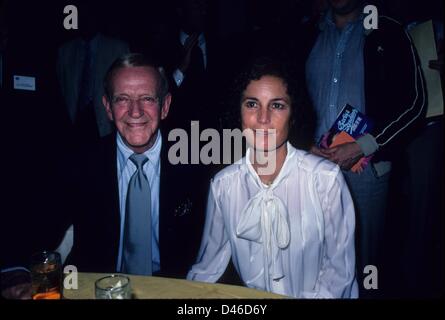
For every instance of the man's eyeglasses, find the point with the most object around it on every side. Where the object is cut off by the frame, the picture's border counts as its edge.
(125, 101)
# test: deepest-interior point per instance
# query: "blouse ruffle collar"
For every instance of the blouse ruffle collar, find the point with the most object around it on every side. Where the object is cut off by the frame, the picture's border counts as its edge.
(265, 219)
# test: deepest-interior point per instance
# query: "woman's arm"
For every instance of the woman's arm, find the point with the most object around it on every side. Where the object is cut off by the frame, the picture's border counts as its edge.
(337, 273)
(214, 254)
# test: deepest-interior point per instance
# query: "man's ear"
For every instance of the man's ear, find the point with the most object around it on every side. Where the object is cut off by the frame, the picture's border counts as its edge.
(166, 106)
(107, 106)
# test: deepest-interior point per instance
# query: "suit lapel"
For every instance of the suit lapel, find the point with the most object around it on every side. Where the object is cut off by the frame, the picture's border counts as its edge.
(163, 219)
(113, 184)
(180, 211)
(110, 183)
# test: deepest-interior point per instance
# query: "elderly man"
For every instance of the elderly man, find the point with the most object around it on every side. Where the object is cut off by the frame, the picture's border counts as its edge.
(132, 211)
(136, 212)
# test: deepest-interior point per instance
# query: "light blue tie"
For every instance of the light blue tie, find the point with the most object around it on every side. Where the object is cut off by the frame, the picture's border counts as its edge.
(137, 256)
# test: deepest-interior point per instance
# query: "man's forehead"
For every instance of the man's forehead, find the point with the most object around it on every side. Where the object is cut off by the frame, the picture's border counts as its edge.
(136, 75)
(130, 71)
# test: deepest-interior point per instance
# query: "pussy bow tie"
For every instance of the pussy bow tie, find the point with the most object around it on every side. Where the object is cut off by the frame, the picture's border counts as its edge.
(264, 220)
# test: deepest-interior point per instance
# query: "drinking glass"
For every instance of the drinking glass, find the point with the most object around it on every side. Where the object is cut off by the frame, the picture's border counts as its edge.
(46, 275)
(114, 286)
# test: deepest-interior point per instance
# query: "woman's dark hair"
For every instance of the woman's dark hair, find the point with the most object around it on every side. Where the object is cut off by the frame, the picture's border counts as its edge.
(302, 117)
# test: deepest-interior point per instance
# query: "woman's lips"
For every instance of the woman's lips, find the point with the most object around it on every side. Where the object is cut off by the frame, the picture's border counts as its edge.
(264, 132)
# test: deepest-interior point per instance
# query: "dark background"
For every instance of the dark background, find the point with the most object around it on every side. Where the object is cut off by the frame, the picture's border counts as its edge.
(34, 124)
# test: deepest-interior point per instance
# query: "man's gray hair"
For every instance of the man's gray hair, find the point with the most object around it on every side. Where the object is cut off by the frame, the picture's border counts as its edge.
(136, 60)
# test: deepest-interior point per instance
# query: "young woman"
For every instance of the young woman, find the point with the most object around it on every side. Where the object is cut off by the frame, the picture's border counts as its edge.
(289, 230)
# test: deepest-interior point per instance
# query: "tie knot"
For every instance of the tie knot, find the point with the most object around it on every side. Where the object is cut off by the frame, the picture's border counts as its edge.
(138, 159)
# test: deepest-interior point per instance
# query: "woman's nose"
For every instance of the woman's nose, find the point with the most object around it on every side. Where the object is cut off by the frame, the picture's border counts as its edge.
(263, 115)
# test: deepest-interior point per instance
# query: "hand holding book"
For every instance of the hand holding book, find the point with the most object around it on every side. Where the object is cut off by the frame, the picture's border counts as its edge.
(339, 142)
(347, 155)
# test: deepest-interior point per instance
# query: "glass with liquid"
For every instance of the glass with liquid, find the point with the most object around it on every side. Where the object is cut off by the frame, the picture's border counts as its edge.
(46, 275)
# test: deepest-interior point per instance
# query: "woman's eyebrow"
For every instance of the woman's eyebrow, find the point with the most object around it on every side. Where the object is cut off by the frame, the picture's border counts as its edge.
(278, 99)
(250, 98)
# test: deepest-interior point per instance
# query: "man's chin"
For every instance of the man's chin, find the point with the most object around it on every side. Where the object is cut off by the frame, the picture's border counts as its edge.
(140, 145)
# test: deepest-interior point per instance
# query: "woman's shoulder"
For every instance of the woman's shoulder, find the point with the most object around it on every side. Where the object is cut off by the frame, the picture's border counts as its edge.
(229, 172)
(314, 164)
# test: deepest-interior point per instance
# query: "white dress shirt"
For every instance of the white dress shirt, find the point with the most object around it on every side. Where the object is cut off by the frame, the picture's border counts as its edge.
(152, 169)
(294, 237)
(178, 76)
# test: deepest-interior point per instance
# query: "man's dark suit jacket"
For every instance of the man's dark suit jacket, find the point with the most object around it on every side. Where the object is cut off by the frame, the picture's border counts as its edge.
(96, 217)
(195, 98)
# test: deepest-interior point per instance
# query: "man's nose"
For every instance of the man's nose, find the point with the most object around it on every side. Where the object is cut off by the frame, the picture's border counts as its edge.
(135, 109)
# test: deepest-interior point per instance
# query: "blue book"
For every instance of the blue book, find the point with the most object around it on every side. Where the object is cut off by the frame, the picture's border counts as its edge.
(350, 121)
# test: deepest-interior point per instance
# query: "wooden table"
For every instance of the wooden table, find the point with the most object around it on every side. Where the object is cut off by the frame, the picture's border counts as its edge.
(144, 287)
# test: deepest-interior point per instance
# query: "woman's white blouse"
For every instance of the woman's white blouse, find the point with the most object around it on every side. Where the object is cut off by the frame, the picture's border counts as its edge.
(294, 237)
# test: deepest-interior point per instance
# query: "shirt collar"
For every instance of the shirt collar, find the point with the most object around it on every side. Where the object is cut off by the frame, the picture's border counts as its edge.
(284, 172)
(153, 154)
(183, 37)
(327, 21)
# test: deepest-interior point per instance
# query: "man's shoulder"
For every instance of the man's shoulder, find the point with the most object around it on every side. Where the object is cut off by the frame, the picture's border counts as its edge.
(110, 42)
(389, 22)
(104, 144)
(94, 154)
(388, 27)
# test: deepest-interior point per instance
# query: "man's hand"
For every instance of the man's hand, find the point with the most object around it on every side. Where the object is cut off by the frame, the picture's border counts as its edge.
(16, 285)
(21, 291)
(345, 155)
(189, 44)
